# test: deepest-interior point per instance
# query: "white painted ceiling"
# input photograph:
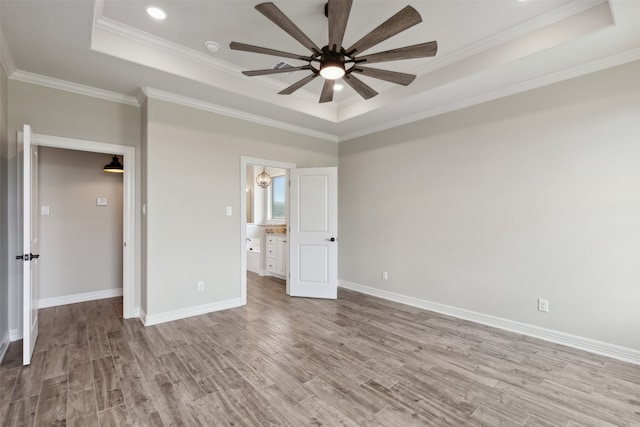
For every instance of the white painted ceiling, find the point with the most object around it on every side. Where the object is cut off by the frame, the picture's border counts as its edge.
(487, 49)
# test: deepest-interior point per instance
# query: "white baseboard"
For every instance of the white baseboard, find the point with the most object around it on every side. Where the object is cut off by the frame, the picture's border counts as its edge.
(143, 316)
(15, 335)
(75, 298)
(168, 316)
(605, 349)
(4, 345)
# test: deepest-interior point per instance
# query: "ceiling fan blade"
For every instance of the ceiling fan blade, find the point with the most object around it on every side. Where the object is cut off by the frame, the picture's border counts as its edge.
(266, 51)
(390, 76)
(294, 87)
(272, 12)
(406, 18)
(363, 89)
(327, 91)
(253, 73)
(422, 50)
(338, 16)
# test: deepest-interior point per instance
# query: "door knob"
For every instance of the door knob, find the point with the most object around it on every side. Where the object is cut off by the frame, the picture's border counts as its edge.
(333, 239)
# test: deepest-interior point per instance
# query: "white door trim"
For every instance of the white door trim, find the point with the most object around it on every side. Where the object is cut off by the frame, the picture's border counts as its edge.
(244, 162)
(128, 203)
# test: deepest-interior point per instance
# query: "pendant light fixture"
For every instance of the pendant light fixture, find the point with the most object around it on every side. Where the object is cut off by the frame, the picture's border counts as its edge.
(115, 166)
(264, 179)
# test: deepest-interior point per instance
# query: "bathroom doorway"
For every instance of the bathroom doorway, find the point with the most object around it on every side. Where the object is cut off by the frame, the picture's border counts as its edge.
(264, 218)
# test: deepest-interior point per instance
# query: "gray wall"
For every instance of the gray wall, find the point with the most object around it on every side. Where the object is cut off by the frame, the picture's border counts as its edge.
(193, 173)
(80, 242)
(4, 226)
(491, 207)
(54, 112)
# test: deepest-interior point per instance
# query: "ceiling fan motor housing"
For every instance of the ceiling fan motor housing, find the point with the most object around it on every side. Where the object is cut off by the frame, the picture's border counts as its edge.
(331, 58)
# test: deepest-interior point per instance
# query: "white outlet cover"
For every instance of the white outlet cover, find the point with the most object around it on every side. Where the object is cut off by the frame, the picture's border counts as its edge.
(229, 211)
(101, 201)
(44, 210)
(543, 305)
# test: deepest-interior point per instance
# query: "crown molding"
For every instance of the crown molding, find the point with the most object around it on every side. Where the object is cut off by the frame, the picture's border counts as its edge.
(580, 70)
(66, 86)
(229, 112)
(38, 79)
(115, 27)
(130, 33)
(574, 8)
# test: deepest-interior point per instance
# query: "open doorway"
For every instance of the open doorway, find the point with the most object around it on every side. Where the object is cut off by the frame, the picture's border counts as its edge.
(80, 227)
(264, 211)
(266, 220)
(130, 307)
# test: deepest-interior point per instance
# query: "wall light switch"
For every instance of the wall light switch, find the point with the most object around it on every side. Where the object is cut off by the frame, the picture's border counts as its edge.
(101, 201)
(44, 210)
(229, 211)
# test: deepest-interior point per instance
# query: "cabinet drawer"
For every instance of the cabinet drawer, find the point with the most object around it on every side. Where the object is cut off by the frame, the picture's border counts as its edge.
(271, 265)
(271, 240)
(271, 251)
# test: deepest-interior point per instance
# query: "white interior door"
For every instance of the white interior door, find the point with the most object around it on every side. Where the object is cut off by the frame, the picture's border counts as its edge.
(313, 236)
(30, 253)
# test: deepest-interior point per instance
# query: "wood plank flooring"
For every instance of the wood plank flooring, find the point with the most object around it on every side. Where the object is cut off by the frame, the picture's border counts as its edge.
(357, 361)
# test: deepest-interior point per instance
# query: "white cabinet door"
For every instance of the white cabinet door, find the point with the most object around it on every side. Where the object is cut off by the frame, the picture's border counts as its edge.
(313, 242)
(281, 256)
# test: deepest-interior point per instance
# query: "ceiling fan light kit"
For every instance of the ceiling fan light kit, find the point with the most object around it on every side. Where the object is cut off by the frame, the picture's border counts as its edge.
(333, 61)
(332, 65)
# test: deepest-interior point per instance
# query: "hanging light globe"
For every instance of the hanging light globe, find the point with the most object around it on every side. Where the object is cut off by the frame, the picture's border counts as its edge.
(264, 179)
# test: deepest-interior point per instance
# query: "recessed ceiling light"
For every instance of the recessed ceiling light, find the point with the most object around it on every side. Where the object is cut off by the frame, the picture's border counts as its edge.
(338, 87)
(212, 46)
(156, 13)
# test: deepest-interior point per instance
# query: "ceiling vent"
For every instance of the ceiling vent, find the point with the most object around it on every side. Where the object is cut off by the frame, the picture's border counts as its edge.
(283, 65)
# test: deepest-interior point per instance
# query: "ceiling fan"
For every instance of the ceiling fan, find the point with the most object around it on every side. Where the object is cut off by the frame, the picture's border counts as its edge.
(333, 61)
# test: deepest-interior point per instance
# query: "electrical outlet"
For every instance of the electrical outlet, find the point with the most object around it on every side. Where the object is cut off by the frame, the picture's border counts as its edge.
(543, 305)
(200, 285)
(385, 275)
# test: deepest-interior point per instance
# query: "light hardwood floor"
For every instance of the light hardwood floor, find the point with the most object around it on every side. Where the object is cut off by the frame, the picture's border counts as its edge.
(356, 361)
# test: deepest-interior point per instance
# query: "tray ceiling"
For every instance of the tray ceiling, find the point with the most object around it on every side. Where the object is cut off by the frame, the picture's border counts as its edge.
(487, 49)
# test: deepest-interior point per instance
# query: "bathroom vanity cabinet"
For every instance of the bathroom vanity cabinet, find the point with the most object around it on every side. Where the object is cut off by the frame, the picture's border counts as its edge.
(276, 255)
